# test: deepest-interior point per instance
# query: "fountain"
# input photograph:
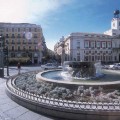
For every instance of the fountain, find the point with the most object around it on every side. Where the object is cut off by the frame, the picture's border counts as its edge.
(81, 73)
(82, 90)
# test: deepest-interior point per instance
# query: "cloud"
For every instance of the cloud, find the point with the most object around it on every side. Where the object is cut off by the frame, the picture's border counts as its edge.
(28, 10)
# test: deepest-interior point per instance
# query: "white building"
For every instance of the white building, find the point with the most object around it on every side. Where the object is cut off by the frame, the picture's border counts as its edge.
(92, 46)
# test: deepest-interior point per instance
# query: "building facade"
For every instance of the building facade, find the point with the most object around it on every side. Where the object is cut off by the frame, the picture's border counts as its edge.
(25, 42)
(91, 46)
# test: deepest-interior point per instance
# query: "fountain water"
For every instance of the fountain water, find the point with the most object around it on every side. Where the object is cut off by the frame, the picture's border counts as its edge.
(81, 70)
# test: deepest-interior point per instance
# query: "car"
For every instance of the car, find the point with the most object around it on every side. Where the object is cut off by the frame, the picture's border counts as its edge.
(60, 67)
(105, 66)
(115, 66)
(111, 66)
(49, 66)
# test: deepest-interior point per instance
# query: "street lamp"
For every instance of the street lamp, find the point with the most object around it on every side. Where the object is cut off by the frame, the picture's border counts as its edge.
(5, 52)
(1, 58)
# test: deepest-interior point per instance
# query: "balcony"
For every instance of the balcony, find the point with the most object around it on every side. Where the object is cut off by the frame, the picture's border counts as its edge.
(23, 36)
(12, 42)
(35, 37)
(18, 36)
(116, 48)
(7, 36)
(12, 36)
(29, 42)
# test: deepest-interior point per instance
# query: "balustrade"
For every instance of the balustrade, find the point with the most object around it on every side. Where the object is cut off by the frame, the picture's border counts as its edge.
(66, 104)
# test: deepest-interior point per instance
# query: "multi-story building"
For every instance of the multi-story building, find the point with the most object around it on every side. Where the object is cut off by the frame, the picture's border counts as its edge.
(91, 46)
(25, 41)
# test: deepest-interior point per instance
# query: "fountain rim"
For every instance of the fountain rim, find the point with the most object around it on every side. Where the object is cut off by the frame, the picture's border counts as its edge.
(39, 77)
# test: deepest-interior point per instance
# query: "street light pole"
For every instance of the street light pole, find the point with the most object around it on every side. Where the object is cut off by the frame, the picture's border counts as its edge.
(5, 51)
(7, 63)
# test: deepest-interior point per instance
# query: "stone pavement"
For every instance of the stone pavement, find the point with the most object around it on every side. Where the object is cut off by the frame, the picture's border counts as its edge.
(9, 110)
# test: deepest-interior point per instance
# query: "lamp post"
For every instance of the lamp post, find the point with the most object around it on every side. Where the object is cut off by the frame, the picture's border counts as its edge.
(63, 53)
(5, 51)
(1, 57)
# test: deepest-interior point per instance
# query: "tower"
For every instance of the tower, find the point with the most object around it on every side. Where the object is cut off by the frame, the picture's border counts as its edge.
(115, 25)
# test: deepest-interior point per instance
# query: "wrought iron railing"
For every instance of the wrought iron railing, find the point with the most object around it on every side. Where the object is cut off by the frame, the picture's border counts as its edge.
(60, 103)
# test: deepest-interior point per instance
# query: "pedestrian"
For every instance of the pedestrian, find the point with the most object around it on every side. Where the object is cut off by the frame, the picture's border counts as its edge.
(19, 67)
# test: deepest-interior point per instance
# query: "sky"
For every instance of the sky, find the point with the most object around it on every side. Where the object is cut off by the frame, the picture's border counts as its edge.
(60, 17)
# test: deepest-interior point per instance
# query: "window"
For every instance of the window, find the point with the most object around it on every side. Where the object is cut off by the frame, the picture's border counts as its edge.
(36, 47)
(35, 35)
(29, 47)
(29, 29)
(18, 29)
(78, 44)
(6, 41)
(114, 33)
(78, 58)
(24, 48)
(92, 52)
(98, 44)
(12, 29)
(86, 44)
(13, 48)
(113, 24)
(18, 47)
(13, 35)
(35, 41)
(103, 44)
(35, 29)
(12, 41)
(18, 41)
(109, 44)
(24, 42)
(18, 35)
(92, 44)
(92, 58)
(86, 58)
(7, 35)
(6, 29)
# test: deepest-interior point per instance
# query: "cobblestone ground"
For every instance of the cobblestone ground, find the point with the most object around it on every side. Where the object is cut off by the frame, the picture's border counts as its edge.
(9, 110)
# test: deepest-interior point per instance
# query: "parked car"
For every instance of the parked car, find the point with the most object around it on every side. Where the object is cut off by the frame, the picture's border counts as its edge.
(49, 66)
(105, 66)
(60, 67)
(115, 66)
(111, 66)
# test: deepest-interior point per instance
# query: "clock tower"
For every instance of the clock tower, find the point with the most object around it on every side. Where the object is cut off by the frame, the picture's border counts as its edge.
(115, 25)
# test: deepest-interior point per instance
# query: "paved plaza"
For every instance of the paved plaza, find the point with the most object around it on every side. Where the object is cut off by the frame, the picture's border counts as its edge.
(9, 110)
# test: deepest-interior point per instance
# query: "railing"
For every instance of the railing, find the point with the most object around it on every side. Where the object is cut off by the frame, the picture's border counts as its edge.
(59, 103)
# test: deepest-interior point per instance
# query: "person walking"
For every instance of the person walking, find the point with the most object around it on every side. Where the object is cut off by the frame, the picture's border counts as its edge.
(19, 67)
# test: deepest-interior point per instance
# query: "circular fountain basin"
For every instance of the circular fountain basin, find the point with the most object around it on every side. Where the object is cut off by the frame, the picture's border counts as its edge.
(111, 78)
